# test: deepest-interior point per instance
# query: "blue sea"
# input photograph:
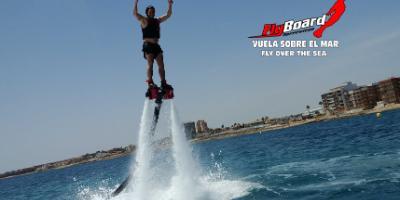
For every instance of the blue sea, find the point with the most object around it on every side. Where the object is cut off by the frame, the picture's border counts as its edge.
(352, 158)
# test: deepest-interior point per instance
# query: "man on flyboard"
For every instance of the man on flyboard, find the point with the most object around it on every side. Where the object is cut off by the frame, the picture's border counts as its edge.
(152, 50)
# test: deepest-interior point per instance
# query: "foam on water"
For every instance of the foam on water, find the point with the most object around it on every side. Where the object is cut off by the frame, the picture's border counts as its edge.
(154, 179)
(336, 173)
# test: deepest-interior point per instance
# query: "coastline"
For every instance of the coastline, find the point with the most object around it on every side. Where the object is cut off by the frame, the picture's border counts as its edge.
(87, 158)
(252, 130)
(120, 152)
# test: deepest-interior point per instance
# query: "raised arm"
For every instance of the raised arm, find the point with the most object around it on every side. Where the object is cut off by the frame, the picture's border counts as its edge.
(136, 13)
(169, 12)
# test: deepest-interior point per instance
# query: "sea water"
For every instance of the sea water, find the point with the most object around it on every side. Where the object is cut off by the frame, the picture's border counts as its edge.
(353, 158)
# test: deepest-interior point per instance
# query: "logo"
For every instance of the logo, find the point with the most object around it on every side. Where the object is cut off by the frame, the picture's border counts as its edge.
(306, 25)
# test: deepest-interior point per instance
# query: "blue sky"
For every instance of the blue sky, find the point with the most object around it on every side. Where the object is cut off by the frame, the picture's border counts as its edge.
(72, 72)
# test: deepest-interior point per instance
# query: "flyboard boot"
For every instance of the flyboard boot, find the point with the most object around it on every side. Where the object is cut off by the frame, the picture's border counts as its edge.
(152, 91)
(167, 90)
(158, 94)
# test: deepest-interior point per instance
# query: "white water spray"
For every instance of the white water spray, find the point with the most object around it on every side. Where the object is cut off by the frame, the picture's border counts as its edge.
(187, 177)
(185, 180)
(141, 169)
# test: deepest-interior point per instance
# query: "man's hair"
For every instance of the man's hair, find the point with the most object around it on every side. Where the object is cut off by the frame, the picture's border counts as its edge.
(148, 8)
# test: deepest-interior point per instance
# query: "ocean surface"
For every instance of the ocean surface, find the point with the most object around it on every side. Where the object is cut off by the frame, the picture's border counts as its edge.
(353, 158)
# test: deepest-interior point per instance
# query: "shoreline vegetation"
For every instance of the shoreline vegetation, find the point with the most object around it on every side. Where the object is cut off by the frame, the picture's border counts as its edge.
(321, 118)
(229, 132)
(98, 156)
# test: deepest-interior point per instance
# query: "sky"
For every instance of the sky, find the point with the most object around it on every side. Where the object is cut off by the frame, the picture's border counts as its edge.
(72, 74)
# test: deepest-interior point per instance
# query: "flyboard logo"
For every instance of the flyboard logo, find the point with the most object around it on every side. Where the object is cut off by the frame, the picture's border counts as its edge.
(306, 25)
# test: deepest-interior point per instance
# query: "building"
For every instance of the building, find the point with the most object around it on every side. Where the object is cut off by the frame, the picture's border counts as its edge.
(190, 130)
(310, 113)
(258, 122)
(389, 90)
(364, 97)
(338, 99)
(201, 127)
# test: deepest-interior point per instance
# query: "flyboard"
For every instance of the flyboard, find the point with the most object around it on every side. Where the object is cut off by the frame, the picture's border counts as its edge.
(158, 94)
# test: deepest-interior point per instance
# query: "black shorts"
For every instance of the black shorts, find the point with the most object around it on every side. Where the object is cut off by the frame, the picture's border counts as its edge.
(151, 48)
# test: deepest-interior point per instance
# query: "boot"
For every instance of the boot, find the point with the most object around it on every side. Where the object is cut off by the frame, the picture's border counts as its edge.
(167, 90)
(165, 86)
(150, 83)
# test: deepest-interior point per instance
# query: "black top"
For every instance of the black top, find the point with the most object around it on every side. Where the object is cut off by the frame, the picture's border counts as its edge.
(152, 29)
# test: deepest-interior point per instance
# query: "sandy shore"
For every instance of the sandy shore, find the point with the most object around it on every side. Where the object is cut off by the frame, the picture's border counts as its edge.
(263, 129)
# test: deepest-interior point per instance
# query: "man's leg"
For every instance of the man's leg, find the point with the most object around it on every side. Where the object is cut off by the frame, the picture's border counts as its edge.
(161, 70)
(168, 91)
(150, 62)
